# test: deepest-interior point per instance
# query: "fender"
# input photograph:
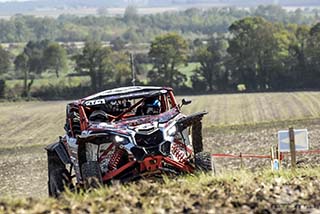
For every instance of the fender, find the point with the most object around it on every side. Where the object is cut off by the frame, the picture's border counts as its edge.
(185, 122)
(97, 138)
(59, 148)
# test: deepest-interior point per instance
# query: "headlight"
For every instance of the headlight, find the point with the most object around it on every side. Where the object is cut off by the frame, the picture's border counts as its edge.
(120, 139)
(172, 131)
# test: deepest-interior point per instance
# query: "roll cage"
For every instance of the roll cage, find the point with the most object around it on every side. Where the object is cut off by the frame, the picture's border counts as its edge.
(117, 107)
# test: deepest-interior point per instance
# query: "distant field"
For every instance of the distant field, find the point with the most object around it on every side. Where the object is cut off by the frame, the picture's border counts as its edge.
(26, 123)
(239, 109)
(55, 13)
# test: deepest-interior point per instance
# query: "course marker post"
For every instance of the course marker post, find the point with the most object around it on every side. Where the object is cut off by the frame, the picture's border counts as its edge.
(272, 157)
(279, 156)
(292, 148)
(241, 160)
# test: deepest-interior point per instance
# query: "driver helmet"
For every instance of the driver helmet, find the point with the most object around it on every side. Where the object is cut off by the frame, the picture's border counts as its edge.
(152, 106)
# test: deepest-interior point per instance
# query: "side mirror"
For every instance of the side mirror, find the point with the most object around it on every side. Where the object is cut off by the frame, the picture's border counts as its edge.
(185, 102)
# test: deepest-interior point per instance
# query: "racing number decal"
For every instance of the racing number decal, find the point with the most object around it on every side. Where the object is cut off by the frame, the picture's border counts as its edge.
(95, 102)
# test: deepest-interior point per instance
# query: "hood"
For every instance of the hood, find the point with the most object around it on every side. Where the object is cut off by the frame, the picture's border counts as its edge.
(134, 122)
(151, 119)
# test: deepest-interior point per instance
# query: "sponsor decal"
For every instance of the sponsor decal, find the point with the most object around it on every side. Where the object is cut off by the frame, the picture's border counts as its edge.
(95, 102)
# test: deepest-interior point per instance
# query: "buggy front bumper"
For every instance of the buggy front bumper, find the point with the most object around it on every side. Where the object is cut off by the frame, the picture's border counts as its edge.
(148, 166)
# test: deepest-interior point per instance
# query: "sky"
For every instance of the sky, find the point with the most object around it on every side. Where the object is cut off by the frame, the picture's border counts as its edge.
(12, 0)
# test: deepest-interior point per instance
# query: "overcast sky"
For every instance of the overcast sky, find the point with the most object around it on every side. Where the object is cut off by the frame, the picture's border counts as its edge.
(13, 0)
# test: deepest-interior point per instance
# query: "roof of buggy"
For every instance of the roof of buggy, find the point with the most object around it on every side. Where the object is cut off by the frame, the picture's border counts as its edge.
(123, 91)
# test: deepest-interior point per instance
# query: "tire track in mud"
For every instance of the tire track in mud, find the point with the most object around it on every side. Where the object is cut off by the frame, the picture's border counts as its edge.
(23, 172)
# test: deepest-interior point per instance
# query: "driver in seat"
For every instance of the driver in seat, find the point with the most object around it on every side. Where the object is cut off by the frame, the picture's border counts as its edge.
(151, 106)
(99, 116)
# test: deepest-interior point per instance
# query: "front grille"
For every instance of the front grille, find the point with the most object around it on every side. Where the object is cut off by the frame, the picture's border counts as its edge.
(147, 140)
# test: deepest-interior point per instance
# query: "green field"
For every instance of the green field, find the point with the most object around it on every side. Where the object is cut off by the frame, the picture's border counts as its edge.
(246, 123)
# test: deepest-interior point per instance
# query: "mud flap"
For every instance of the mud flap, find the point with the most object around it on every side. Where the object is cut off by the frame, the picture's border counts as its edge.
(185, 122)
(60, 150)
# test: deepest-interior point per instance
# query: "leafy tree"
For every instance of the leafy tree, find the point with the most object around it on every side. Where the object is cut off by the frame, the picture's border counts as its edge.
(130, 14)
(2, 87)
(121, 67)
(55, 58)
(4, 60)
(253, 48)
(297, 62)
(31, 63)
(273, 13)
(4, 67)
(131, 35)
(21, 65)
(102, 11)
(313, 57)
(167, 51)
(117, 44)
(95, 61)
(211, 58)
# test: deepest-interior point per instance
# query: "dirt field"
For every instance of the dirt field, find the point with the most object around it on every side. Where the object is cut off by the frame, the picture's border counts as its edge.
(246, 123)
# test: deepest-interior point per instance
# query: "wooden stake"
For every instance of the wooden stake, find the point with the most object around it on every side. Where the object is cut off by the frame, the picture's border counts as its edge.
(272, 157)
(292, 148)
(279, 156)
(241, 161)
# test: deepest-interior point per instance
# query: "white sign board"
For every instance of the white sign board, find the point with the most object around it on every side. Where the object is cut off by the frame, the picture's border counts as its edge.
(300, 138)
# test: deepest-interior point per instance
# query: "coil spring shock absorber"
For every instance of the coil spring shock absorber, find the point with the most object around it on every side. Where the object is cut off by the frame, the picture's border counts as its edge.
(178, 153)
(115, 159)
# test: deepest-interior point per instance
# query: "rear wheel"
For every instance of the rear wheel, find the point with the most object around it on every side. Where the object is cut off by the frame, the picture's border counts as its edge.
(91, 175)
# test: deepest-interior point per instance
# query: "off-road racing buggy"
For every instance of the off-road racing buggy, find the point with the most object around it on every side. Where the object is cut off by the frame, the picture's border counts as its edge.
(125, 134)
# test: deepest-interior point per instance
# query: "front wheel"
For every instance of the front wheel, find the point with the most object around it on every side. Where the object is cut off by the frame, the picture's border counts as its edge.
(91, 174)
(204, 162)
(59, 179)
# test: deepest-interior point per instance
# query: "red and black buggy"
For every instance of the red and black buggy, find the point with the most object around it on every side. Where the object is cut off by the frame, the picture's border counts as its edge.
(125, 134)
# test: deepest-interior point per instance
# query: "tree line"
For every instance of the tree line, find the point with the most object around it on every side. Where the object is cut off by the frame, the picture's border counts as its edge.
(255, 53)
(132, 27)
